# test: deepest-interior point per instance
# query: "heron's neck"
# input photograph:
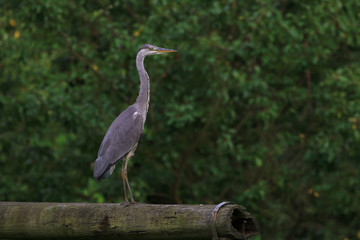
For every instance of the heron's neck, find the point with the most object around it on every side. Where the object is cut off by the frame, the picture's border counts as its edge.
(144, 95)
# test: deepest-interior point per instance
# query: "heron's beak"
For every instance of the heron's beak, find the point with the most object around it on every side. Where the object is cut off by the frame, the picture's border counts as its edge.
(164, 50)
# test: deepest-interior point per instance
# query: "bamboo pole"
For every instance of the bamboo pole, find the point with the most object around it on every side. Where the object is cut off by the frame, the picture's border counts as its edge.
(30, 220)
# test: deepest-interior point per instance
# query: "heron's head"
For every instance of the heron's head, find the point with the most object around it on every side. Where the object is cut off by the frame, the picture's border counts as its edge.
(149, 49)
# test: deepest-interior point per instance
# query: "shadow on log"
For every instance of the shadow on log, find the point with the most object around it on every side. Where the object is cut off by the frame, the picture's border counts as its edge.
(29, 220)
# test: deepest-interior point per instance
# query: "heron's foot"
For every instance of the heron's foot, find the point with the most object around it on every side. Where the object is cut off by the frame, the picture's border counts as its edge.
(126, 204)
(132, 201)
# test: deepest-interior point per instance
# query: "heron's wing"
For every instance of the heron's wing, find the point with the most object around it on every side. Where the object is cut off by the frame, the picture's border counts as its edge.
(122, 135)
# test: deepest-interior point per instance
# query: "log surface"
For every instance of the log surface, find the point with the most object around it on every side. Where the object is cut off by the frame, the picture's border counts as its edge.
(30, 220)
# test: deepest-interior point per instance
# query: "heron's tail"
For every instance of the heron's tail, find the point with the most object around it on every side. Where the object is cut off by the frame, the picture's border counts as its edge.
(102, 169)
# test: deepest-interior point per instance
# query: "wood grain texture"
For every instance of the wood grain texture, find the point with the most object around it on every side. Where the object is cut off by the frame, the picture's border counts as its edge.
(30, 220)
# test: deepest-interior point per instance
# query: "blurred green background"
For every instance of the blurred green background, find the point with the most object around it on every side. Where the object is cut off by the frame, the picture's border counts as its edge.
(260, 106)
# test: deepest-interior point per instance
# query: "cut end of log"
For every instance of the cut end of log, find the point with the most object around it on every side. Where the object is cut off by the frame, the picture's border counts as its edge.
(243, 224)
(234, 222)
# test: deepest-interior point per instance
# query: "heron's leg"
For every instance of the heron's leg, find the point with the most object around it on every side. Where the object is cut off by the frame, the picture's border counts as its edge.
(126, 178)
(123, 176)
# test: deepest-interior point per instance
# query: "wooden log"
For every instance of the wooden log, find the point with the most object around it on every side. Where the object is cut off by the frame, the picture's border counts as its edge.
(30, 220)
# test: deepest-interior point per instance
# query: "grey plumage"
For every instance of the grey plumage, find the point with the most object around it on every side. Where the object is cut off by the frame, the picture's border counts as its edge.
(119, 139)
(123, 135)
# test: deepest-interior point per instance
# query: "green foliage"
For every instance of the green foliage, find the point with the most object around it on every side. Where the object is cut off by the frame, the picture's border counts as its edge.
(260, 106)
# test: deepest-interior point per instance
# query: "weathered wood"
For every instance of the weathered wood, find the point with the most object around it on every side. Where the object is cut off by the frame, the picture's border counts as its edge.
(29, 220)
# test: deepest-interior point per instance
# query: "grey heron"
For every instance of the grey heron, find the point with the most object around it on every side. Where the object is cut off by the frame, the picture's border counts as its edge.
(121, 139)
